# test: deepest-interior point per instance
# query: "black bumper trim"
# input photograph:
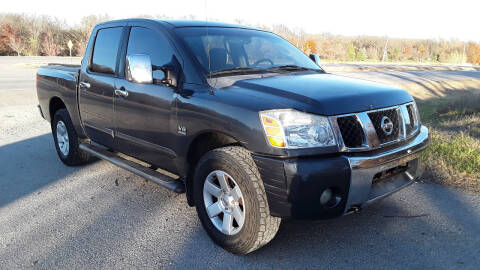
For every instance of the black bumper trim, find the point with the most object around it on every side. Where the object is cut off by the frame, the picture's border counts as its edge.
(293, 186)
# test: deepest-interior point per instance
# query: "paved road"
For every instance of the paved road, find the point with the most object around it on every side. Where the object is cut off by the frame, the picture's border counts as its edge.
(100, 217)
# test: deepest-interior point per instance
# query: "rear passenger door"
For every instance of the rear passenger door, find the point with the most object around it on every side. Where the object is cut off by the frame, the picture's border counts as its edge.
(97, 85)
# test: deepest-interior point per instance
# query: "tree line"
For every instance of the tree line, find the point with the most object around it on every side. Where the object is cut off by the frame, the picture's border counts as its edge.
(22, 34)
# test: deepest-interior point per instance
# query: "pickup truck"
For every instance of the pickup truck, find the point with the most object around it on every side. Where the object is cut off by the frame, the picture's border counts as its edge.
(250, 128)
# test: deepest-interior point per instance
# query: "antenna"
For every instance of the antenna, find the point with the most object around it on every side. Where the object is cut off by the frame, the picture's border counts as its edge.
(208, 41)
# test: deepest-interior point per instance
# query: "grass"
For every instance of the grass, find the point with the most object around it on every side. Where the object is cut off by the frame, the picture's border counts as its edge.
(461, 152)
(453, 157)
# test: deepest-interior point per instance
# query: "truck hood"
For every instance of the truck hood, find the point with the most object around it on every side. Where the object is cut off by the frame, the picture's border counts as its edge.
(323, 94)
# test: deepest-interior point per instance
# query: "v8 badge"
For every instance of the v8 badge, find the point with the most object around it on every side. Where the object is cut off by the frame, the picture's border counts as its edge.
(182, 130)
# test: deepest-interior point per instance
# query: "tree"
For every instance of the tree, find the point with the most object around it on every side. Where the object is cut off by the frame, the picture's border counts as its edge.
(22, 34)
(310, 46)
(395, 54)
(422, 52)
(351, 52)
(49, 47)
(82, 32)
(372, 53)
(5, 48)
(16, 40)
(473, 53)
(34, 26)
(362, 54)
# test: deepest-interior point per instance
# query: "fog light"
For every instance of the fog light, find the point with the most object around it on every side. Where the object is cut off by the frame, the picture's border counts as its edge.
(326, 196)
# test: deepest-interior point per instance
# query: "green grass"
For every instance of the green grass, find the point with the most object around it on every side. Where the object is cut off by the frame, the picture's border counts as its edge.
(461, 152)
(453, 156)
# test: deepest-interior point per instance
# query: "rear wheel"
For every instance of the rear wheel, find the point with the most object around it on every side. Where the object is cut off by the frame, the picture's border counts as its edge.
(231, 200)
(66, 139)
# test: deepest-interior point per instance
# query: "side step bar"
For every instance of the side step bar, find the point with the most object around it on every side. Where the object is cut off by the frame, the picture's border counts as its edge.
(131, 166)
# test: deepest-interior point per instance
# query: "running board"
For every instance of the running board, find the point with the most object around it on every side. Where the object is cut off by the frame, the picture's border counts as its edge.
(131, 166)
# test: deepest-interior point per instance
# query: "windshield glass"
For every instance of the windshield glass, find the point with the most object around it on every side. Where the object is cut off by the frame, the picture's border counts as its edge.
(225, 49)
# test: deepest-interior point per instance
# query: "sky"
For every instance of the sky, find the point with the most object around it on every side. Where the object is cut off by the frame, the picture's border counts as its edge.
(458, 19)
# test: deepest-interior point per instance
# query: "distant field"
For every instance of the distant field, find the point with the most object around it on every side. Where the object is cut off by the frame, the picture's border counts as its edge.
(332, 66)
(328, 65)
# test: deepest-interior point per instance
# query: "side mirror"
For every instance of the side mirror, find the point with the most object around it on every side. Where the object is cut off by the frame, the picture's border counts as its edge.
(172, 73)
(169, 76)
(139, 68)
(315, 58)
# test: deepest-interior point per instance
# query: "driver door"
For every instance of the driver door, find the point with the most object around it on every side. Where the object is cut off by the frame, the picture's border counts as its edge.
(144, 112)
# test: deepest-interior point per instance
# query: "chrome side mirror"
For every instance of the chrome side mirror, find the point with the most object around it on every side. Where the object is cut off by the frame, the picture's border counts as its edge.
(315, 58)
(139, 68)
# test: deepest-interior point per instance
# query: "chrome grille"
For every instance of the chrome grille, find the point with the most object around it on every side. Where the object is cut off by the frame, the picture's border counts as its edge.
(363, 131)
(393, 116)
(411, 125)
(352, 131)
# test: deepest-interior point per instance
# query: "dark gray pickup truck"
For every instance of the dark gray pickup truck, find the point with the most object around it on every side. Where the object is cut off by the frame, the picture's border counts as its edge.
(250, 128)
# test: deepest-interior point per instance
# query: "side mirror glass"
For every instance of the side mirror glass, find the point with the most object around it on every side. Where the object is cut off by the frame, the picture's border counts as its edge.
(139, 68)
(171, 72)
(315, 58)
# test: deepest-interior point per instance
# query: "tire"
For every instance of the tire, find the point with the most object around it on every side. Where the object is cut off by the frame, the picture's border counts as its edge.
(258, 226)
(68, 151)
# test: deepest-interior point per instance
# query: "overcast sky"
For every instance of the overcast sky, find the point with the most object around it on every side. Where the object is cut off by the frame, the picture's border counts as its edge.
(458, 19)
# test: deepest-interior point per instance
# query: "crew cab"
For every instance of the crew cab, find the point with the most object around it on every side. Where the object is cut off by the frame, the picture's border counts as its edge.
(250, 128)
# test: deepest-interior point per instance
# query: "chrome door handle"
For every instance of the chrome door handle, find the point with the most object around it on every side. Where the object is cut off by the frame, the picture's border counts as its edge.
(122, 93)
(84, 85)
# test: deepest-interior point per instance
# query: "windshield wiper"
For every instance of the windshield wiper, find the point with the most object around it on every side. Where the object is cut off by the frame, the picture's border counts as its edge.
(291, 67)
(236, 70)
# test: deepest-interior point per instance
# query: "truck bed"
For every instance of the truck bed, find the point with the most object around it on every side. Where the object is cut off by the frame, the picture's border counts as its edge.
(58, 80)
(63, 67)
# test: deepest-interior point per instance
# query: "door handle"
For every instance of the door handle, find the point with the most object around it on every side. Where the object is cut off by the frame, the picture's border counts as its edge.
(121, 93)
(84, 85)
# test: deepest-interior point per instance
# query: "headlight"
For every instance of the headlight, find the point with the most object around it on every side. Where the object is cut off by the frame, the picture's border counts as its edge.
(292, 129)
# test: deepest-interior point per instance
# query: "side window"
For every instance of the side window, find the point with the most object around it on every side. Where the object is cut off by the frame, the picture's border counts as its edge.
(105, 50)
(146, 41)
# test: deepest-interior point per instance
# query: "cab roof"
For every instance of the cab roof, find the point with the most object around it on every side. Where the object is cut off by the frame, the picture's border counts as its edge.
(184, 23)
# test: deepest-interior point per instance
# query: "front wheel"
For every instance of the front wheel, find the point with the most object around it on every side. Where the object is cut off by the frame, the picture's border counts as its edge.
(231, 201)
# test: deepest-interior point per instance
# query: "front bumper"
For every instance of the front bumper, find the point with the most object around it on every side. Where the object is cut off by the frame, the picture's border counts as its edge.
(294, 186)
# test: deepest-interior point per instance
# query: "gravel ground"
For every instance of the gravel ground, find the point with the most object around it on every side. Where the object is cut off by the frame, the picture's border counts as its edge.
(98, 216)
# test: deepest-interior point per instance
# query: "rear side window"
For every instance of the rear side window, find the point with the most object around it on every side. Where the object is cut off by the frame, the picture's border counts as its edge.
(146, 41)
(105, 50)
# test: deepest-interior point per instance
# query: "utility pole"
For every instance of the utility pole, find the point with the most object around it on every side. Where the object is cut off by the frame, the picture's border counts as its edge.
(384, 57)
(70, 45)
(463, 57)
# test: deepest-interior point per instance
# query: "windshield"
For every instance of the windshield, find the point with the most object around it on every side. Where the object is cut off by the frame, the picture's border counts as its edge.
(234, 49)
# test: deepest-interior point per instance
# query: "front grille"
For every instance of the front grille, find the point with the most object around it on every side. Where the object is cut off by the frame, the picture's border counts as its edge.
(351, 130)
(410, 115)
(377, 118)
(411, 126)
(363, 131)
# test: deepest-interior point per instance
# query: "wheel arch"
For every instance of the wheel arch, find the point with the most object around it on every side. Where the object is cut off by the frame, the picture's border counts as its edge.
(199, 146)
(54, 105)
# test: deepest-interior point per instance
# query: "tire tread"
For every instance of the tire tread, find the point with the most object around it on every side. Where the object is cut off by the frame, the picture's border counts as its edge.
(268, 224)
(75, 156)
